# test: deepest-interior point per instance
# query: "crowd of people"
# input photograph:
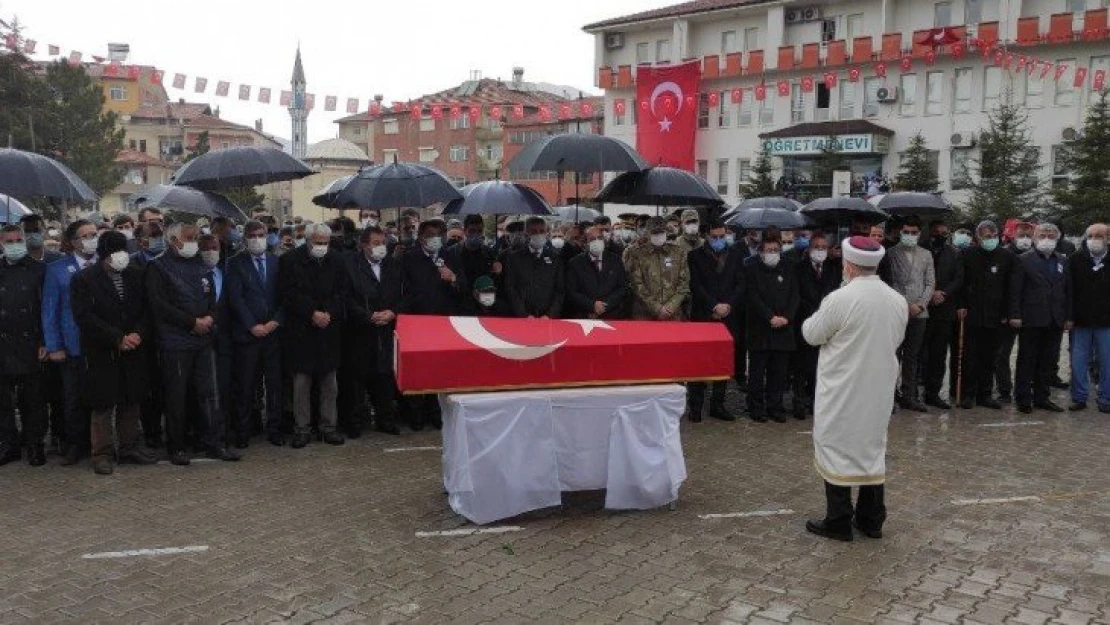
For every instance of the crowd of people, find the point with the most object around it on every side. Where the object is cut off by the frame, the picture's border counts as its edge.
(139, 333)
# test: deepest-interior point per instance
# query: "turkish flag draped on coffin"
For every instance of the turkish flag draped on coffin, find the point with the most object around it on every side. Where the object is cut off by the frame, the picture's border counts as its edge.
(665, 131)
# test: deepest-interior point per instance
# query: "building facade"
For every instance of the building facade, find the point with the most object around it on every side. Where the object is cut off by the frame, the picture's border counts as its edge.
(330, 159)
(742, 44)
(556, 190)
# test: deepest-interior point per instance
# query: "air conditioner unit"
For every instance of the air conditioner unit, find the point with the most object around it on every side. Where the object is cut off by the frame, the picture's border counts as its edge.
(1071, 134)
(887, 94)
(811, 14)
(963, 140)
(794, 16)
(614, 41)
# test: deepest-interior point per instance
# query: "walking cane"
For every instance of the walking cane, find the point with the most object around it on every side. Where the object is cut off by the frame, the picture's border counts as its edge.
(960, 364)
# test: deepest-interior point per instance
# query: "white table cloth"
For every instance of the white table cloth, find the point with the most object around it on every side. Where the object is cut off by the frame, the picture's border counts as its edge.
(510, 452)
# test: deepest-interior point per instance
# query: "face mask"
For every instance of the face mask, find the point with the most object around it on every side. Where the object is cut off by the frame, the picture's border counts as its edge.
(369, 222)
(433, 244)
(272, 240)
(690, 229)
(939, 240)
(119, 261)
(210, 257)
(318, 251)
(596, 247)
(15, 252)
(299, 242)
(801, 243)
(658, 240)
(1046, 246)
(718, 245)
(910, 240)
(989, 245)
(34, 240)
(206, 230)
(517, 240)
(771, 259)
(128, 234)
(537, 241)
(627, 235)
(256, 245)
(88, 247)
(730, 239)
(188, 249)
(819, 256)
(156, 245)
(558, 242)
(378, 252)
(487, 299)
(961, 240)
(474, 241)
(234, 237)
(1023, 243)
(1096, 246)
(786, 247)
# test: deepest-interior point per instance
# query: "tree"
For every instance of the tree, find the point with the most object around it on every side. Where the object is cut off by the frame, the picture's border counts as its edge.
(916, 172)
(760, 183)
(201, 147)
(1085, 197)
(245, 198)
(1006, 182)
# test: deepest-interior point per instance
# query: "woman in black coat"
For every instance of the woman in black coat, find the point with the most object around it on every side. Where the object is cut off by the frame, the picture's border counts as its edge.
(109, 306)
(772, 309)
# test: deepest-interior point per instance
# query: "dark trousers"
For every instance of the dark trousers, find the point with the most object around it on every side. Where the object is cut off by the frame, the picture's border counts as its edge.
(24, 391)
(225, 385)
(421, 410)
(696, 392)
(1003, 372)
(869, 511)
(980, 356)
(127, 430)
(180, 369)
(803, 369)
(380, 387)
(938, 338)
(767, 381)
(256, 361)
(76, 414)
(910, 352)
(150, 409)
(1038, 349)
(55, 399)
(740, 354)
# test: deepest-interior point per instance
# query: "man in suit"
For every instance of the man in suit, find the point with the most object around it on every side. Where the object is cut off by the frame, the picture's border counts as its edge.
(34, 234)
(432, 284)
(211, 252)
(476, 258)
(911, 273)
(1038, 311)
(1021, 243)
(62, 337)
(534, 280)
(372, 304)
(941, 324)
(771, 292)
(817, 277)
(1089, 318)
(717, 290)
(984, 306)
(256, 318)
(151, 243)
(596, 281)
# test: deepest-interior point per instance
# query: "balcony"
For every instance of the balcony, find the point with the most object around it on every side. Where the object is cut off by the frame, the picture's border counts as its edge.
(488, 164)
(487, 133)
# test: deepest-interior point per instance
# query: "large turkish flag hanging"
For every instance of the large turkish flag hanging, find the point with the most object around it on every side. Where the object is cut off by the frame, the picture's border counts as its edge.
(668, 117)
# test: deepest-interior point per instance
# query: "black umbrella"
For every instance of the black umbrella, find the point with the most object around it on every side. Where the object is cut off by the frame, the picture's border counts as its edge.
(186, 200)
(26, 175)
(578, 153)
(905, 203)
(12, 210)
(660, 186)
(843, 209)
(497, 197)
(760, 218)
(576, 214)
(328, 195)
(240, 167)
(397, 185)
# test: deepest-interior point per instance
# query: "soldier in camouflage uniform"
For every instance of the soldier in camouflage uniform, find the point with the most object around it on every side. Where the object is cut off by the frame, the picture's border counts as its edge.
(660, 277)
(690, 237)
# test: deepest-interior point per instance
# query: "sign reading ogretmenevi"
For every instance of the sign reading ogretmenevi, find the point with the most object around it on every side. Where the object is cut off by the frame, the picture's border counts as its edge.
(847, 144)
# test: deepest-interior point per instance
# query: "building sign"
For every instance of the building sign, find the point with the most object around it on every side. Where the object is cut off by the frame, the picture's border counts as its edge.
(846, 144)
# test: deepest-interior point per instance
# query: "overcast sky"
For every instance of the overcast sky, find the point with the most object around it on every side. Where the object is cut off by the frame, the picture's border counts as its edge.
(350, 48)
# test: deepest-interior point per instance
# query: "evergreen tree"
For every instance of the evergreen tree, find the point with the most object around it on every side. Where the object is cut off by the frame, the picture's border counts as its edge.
(760, 183)
(1085, 198)
(201, 147)
(916, 173)
(1006, 183)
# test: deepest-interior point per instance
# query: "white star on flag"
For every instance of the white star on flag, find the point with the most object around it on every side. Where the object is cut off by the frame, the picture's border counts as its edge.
(665, 125)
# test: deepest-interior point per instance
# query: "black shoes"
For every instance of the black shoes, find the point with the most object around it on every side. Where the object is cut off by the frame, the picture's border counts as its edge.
(719, 412)
(968, 404)
(1025, 409)
(102, 465)
(822, 529)
(180, 459)
(36, 455)
(1059, 384)
(1077, 406)
(1005, 398)
(300, 440)
(72, 455)
(1048, 405)
(153, 442)
(276, 439)
(136, 456)
(8, 453)
(333, 438)
(437, 423)
(868, 532)
(242, 441)
(913, 405)
(936, 402)
(354, 433)
(388, 428)
(757, 417)
(223, 454)
(777, 417)
(990, 402)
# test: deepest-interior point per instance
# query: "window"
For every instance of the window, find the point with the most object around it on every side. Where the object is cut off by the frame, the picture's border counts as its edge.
(992, 88)
(1060, 176)
(961, 172)
(973, 12)
(854, 25)
(703, 169)
(428, 155)
(663, 51)
(828, 30)
(932, 157)
(358, 131)
(133, 144)
(746, 107)
(797, 104)
(522, 137)
(722, 176)
(620, 118)
(729, 42)
(909, 94)
(847, 100)
(942, 14)
(1076, 6)
(1034, 92)
(1097, 63)
(824, 98)
(389, 156)
(643, 53)
(871, 96)
(118, 94)
(703, 111)
(1065, 90)
(724, 113)
(390, 127)
(751, 39)
(934, 93)
(961, 99)
(767, 110)
(743, 173)
(225, 145)
(459, 153)
(142, 145)
(427, 123)
(460, 122)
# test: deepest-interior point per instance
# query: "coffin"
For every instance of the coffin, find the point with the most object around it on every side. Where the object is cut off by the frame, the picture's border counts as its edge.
(464, 354)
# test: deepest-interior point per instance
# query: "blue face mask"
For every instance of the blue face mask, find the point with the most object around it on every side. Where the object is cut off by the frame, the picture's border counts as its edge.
(234, 236)
(156, 245)
(272, 240)
(718, 245)
(989, 244)
(801, 243)
(35, 240)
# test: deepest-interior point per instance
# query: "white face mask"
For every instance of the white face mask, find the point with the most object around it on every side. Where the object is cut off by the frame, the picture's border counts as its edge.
(369, 222)
(786, 247)
(596, 247)
(690, 229)
(537, 241)
(256, 245)
(15, 252)
(819, 256)
(558, 242)
(433, 244)
(298, 242)
(318, 251)
(378, 252)
(188, 249)
(118, 261)
(658, 240)
(88, 247)
(128, 234)
(1096, 246)
(1046, 246)
(1023, 243)
(211, 258)
(487, 299)
(771, 259)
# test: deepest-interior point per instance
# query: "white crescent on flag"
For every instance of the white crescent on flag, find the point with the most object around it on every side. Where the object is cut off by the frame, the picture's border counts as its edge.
(473, 332)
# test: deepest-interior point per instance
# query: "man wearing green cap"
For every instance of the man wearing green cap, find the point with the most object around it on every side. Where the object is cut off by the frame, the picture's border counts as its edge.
(486, 302)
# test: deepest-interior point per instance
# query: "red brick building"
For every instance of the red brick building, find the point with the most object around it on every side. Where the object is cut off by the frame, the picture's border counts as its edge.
(521, 132)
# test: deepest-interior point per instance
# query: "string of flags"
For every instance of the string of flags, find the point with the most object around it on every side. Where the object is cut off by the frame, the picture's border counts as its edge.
(936, 41)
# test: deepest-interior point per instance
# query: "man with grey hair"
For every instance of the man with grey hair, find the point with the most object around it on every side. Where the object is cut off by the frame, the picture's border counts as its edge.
(1089, 318)
(1038, 311)
(313, 285)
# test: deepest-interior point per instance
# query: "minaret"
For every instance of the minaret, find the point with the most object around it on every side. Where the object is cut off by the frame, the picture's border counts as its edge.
(298, 109)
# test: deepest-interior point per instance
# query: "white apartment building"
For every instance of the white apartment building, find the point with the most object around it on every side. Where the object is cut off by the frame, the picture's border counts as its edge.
(743, 43)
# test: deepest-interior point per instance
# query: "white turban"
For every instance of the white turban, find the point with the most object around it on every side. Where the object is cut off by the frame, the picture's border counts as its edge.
(862, 252)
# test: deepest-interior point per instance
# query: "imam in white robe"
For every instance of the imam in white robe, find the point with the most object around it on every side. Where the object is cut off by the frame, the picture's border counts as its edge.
(858, 328)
